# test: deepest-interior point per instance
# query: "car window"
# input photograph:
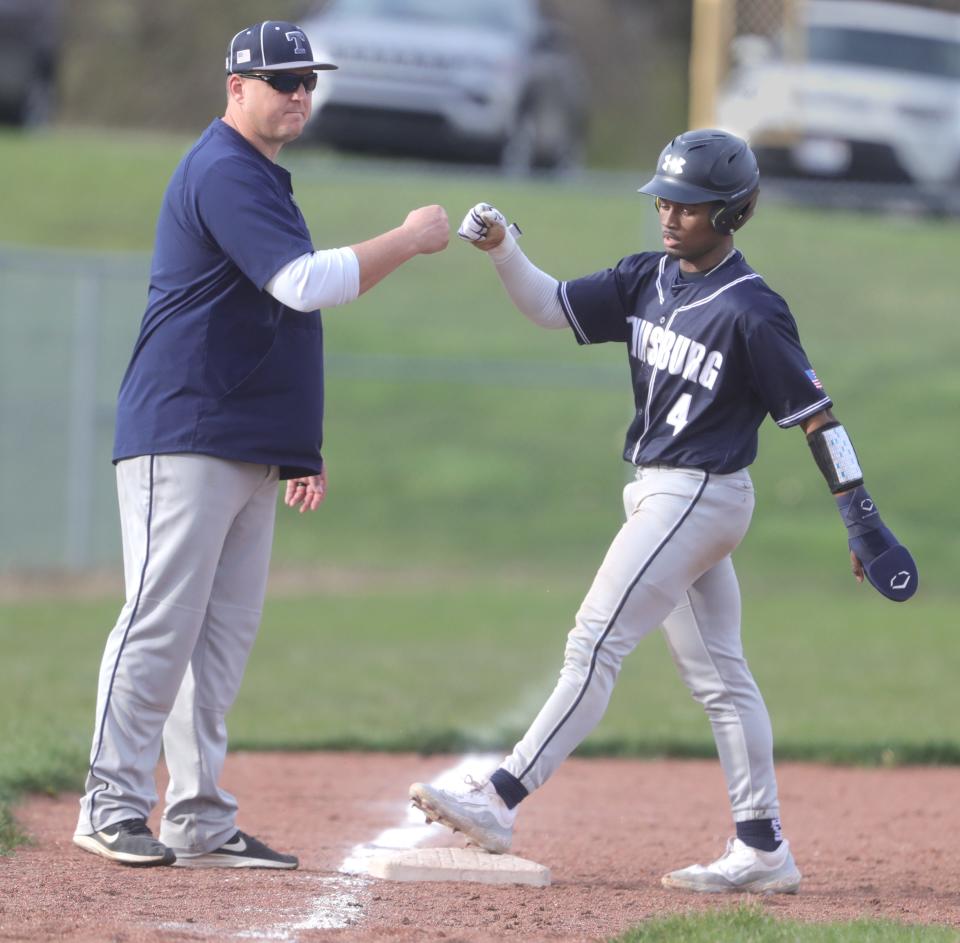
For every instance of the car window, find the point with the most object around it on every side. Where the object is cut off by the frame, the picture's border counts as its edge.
(500, 15)
(925, 55)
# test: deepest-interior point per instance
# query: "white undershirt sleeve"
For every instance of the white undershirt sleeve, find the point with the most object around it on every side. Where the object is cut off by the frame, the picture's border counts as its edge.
(532, 291)
(322, 279)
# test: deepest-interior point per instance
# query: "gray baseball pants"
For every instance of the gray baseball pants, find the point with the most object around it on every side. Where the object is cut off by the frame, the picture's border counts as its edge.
(197, 534)
(669, 565)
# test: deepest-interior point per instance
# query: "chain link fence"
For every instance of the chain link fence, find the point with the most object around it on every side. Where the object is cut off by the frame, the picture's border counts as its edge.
(762, 17)
(67, 324)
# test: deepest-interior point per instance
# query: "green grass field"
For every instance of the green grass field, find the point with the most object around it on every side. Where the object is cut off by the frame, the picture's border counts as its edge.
(747, 924)
(475, 480)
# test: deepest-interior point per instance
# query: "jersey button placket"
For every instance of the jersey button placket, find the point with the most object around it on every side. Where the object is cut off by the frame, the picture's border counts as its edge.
(653, 377)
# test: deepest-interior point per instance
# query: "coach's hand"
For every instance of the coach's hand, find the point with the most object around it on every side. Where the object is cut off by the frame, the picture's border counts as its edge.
(484, 227)
(307, 493)
(428, 229)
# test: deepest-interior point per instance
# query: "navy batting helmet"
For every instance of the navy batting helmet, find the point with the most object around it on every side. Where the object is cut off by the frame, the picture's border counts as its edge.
(709, 166)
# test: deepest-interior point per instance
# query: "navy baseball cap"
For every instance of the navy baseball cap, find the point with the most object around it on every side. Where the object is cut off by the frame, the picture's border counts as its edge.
(272, 45)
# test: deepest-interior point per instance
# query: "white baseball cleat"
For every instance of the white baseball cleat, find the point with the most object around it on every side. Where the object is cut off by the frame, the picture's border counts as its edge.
(741, 868)
(477, 811)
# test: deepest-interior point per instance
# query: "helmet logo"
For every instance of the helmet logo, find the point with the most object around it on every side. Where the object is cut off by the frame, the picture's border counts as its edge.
(674, 165)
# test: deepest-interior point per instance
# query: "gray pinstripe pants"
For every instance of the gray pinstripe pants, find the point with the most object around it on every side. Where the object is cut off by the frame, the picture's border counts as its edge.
(669, 565)
(197, 534)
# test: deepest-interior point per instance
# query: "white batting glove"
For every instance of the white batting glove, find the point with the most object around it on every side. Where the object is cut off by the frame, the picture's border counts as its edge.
(485, 227)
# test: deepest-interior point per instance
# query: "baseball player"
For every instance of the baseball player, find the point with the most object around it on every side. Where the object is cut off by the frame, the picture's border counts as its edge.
(712, 349)
(222, 399)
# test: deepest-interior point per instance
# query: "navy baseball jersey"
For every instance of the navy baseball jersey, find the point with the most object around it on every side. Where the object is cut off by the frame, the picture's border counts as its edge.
(221, 367)
(710, 356)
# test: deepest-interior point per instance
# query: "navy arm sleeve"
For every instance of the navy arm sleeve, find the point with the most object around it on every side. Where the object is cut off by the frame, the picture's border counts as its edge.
(248, 214)
(780, 372)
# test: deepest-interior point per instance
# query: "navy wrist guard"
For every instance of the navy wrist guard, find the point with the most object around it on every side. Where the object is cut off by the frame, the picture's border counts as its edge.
(886, 562)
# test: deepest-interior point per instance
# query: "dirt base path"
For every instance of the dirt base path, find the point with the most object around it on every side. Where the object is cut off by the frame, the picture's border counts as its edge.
(873, 843)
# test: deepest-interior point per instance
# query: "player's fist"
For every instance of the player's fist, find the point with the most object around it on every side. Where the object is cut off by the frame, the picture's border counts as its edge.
(484, 227)
(428, 228)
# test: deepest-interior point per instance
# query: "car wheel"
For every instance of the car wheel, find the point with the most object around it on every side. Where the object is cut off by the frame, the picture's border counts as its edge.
(560, 142)
(545, 136)
(37, 106)
(519, 152)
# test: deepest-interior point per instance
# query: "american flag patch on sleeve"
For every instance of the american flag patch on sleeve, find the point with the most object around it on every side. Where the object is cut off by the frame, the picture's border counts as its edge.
(814, 379)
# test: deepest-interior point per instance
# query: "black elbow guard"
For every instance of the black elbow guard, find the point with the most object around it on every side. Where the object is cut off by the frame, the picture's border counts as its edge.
(835, 457)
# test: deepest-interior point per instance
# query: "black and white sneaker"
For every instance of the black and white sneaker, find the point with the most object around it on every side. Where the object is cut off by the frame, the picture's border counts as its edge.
(129, 842)
(242, 851)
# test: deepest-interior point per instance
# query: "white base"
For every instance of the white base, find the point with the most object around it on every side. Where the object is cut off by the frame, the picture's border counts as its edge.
(458, 864)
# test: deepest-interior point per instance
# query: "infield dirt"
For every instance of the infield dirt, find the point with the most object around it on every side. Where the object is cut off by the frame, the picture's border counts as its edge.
(870, 843)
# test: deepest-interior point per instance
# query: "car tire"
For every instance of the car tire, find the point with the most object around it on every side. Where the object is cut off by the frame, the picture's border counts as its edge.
(561, 142)
(37, 105)
(519, 152)
(545, 136)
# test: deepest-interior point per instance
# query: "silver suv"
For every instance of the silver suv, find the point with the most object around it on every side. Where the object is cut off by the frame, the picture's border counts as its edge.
(875, 95)
(477, 80)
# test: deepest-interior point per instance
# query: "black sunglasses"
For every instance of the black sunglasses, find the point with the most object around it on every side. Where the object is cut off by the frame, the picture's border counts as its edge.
(286, 82)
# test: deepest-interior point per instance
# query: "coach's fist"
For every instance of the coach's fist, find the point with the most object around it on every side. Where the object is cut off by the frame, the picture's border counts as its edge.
(484, 227)
(428, 229)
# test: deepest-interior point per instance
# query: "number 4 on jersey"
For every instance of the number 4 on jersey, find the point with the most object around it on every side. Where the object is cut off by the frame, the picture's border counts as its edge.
(677, 417)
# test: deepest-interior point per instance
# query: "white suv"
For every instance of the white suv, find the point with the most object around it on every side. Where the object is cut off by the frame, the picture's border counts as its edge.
(481, 80)
(875, 94)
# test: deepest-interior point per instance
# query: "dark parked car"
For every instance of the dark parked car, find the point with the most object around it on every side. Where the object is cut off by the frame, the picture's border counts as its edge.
(29, 40)
(480, 80)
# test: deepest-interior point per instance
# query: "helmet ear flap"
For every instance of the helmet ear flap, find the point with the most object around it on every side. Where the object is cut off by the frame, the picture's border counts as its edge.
(728, 219)
(719, 219)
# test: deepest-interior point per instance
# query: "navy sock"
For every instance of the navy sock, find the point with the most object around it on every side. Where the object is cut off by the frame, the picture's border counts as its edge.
(509, 788)
(762, 834)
